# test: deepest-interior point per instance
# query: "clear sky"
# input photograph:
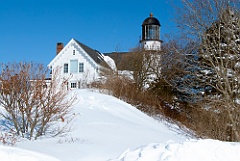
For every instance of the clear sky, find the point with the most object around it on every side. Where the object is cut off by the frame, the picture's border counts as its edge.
(30, 29)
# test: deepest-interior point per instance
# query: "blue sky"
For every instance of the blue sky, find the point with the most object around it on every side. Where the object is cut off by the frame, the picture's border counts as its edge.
(30, 29)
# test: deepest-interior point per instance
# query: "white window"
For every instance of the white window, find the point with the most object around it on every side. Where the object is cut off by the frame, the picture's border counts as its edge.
(81, 67)
(65, 68)
(73, 66)
(50, 69)
(73, 85)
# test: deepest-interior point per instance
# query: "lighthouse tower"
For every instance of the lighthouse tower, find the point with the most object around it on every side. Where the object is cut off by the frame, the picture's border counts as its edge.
(151, 34)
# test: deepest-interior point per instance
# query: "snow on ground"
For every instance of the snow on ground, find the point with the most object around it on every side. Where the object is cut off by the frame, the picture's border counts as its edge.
(105, 127)
(201, 150)
(16, 154)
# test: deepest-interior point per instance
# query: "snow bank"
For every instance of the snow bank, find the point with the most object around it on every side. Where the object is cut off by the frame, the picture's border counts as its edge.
(104, 127)
(201, 150)
(15, 154)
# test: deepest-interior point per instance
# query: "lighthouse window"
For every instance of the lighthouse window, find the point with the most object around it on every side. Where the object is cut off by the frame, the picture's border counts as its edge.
(152, 32)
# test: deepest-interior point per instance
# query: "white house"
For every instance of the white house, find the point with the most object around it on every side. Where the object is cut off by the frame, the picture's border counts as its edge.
(77, 65)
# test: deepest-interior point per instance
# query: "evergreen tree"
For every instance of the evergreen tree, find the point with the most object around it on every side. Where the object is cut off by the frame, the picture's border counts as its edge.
(215, 25)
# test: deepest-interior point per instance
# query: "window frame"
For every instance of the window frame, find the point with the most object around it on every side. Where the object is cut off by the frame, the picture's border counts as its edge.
(73, 85)
(65, 68)
(74, 66)
(81, 67)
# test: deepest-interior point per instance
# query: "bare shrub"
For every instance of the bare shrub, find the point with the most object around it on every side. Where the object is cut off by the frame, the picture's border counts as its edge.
(33, 105)
(8, 138)
(208, 124)
(126, 89)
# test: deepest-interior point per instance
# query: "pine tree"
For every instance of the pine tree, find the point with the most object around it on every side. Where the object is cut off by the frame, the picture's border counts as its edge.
(215, 26)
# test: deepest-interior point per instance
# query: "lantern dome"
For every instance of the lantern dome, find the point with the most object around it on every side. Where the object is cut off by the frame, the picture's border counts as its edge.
(151, 21)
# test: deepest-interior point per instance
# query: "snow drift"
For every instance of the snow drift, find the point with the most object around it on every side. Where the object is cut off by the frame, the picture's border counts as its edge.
(16, 154)
(201, 150)
(105, 127)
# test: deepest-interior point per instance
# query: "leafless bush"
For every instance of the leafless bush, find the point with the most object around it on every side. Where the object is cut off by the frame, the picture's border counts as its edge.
(8, 138)
(125, 89)
(209, 124)
(33, 105)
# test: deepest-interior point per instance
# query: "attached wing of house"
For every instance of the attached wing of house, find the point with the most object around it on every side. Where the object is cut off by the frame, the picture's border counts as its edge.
(76, 64)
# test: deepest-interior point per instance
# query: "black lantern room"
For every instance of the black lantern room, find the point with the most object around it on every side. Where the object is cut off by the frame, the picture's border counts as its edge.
(151, 28)
(151, 34)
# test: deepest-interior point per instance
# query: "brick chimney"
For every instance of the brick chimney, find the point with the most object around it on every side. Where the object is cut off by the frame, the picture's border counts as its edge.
(59, 47)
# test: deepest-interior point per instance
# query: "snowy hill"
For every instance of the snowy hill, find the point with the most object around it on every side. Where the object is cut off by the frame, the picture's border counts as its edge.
(107, 128)
(16, 154)
(201, 150)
